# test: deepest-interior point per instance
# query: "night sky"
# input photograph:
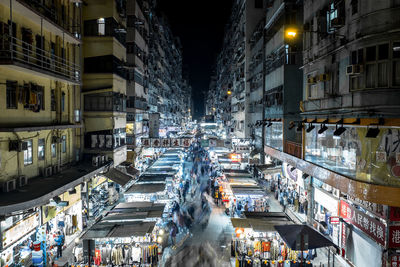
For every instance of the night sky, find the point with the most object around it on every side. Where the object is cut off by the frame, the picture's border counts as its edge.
(200, 26)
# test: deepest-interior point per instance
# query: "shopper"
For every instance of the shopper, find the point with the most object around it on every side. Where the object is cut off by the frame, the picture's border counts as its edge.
(60, 240)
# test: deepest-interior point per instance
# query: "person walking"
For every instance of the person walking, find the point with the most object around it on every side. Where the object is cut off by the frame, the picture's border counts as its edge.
(60, 240)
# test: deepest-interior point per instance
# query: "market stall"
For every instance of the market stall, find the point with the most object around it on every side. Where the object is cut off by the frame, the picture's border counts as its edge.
(146, 192)
(256, 242)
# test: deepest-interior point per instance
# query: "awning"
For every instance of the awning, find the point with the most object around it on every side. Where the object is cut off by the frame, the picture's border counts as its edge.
(137, 206)
(242, 181)
(118, 176)
(146, 188)
(261, 221)
(112, 230)
(132, 171)
(248, 190)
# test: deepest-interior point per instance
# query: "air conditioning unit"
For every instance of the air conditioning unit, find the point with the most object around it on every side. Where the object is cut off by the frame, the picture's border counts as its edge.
(22, 181)
(312, 80)
(95, 161)
(354, 69)
(15, 145)
(324, 77)
(56, 169)
(10, 185)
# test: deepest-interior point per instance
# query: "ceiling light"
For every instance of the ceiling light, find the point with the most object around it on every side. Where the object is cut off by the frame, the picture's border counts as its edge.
(322, 129)
(339, 131)
(372, 132)
(310, 127)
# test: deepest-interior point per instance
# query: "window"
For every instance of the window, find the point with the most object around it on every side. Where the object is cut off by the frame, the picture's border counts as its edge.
(11, 94)
(41, 149)
(354, 7)
(62, 101)
(101, 26)
(64, 144)
(28, 157)
(396, 64)
(53, 150)
(53, 100)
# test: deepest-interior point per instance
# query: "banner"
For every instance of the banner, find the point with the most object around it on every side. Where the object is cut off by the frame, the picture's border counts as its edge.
(166, 142)
(372, 227)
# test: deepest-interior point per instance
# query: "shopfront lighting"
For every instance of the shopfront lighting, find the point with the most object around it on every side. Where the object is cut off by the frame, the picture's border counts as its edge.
(338, 132)
(372, 132)
(159, 240)
(291, 33)
(322, 129)
(229, 92)
(310, 127)
(161, 232)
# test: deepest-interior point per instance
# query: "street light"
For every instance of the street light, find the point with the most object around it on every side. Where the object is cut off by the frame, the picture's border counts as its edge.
(291, 32)
(229, 92)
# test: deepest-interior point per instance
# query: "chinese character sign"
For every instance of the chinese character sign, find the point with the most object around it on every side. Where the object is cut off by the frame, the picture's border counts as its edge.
(372, 227)
(155, 142)
(175, 142)
(394, 237)
(186, 142)
(166, 142)
(395, 261)
(146, 142)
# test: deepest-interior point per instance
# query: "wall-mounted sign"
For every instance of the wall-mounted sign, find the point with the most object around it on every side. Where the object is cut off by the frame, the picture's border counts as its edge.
(335, 219)
(372, 227)
(394, 237)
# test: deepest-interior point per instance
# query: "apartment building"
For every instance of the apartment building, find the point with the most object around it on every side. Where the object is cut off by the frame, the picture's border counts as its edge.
(105, 78)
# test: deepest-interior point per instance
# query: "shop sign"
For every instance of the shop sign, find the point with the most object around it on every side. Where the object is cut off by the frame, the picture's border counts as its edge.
(235, 157)
(20, 229)
(394, 237)
(327, 201)
(395, 261)
(335, 220)
(242, 149)
(166, 142)
(372, 227)
(394, 214)
(379, 209)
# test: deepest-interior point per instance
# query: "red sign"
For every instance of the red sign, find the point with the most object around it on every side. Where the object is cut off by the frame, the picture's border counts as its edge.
(394, 214)
(395, 261)
(335, 220)
(372, 227)
(394, 237)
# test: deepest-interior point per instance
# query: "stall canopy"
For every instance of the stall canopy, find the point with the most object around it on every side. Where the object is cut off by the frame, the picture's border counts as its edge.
(291, 233)
(137, 206)
(247, 190)
(152, 179)
(118, 176)
(242, 181)
(261, 221)
(114, 230)
(146, 188)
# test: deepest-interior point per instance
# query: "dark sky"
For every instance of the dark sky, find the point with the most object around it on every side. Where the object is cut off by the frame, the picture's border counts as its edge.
(200, 26)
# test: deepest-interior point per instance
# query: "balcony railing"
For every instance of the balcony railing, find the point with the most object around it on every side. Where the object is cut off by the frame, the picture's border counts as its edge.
(293, 149)
(15, 50)
(70, 24)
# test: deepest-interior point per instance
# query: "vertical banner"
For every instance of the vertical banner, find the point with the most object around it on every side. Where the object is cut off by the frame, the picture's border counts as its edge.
(154, 125)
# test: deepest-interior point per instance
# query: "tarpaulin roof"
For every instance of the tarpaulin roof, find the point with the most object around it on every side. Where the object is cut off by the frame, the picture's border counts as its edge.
(233, 171)
(138, 206)
(140, 215)
(291, 233)
(242, 181)
(247, 190)
(118, 176)
(146, 188)
(127, 229)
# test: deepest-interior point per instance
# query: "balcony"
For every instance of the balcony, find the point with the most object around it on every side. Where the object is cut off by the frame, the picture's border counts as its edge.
(293, 149)
(51, 12)
(14, 51)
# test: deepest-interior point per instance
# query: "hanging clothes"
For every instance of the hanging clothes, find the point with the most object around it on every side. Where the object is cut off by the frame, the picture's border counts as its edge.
(97, 257)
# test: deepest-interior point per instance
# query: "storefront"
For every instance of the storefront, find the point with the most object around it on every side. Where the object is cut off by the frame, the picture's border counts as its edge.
(256, 242)
(18, 234)
(361, 233)
(326, 212)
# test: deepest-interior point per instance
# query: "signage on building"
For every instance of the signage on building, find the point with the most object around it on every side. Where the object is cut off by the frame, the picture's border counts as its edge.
(394, 214)
(242, 149)
(335, 220)
(372, 227)
(394, 237)
(395, 260)
(235, 157)
(328, 202)
(20, 229)
(166, 142)
(154, 125)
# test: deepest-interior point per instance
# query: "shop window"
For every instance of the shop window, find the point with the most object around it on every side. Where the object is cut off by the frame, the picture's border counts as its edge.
(53, 150)
(41, 149)
(370, 75)
(64, 144)
(28, 156)
(101, 26)
(11, 94)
